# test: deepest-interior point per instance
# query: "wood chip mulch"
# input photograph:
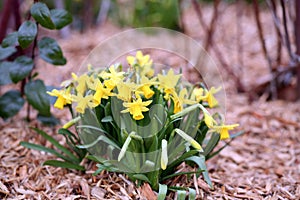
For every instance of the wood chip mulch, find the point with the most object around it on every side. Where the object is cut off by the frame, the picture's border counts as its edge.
(264, 163)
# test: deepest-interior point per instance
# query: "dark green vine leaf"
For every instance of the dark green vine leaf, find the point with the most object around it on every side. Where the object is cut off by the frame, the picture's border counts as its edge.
(60, 18)
(4, 72)
(37, 97)
(6, 51)
(10, 40)
(51, 52)
(26, 33)
(20, 69)
(48, 120)
(10, 103)
(41, 13)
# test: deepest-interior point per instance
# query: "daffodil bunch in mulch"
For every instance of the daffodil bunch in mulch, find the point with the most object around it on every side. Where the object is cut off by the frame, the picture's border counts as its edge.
(144, 124)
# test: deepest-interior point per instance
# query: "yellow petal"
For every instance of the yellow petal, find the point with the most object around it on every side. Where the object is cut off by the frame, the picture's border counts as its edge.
(60, 102)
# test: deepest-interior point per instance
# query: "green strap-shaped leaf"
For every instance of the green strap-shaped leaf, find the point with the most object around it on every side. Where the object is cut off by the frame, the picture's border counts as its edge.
(141, 177)
(6, 52)
(26, 33)
(42, 148)
(51, 52)
(35, 92)
(10, 104)
(60, 18)
(162, 192)
(181, 194)
(192, 194)
(212, 143)
(63, 164)
(41, 13)
(20, 69)
(57, 145)
(200, 161)
(4, 72)
(10, 40)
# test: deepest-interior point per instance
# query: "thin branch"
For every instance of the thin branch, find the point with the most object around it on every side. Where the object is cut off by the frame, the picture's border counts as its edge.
(273, 8)
(240, 86)
(239, 34)
(297, 37)
(273, 87)
(5, 18)
(210, 31)
(287, 36)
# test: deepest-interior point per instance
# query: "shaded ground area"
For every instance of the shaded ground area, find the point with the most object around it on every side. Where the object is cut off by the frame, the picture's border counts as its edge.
(264, 163)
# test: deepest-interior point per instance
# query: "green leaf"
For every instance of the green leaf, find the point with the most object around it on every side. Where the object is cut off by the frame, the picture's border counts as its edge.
(51, 52)
(11, 103)
(4, 72)
(181, 173)
(48, 120)
(162, 192)
(41, 13)
(57, 145)
(21, 68)
(10, 40)
(6, 52)
(200, 161)
(60, 18)
(212, 143)
(42, 148)
(35, 92)
(107, 119)
(63, 164)
(141, 177)
(192, 194)
(26, 33)
(181, 194)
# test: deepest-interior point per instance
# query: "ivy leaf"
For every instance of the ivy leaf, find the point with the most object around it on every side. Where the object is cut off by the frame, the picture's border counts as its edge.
(41, 13)
(7, 51)
(48, 120)
(60, 18)
(21, 67)
(10, 104)
(51, 52)
(10, 40)
(4, 73)
(37, 97)
(26, 33)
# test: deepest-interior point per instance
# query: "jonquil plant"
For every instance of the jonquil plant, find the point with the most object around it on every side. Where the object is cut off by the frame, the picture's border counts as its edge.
(144, 124)
(17, 62)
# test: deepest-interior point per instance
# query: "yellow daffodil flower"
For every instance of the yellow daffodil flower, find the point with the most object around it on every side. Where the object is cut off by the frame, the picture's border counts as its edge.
(113, 77)
(143, 62)
(100, 91)
(125, 91)
(198, 94)
(81, 82)
(145, 86)
(136, 108)
(63, 97)
(83, 102)
(168, 82)
(211, 100)
(223, 130)
(206, 95)
(209, 121)
(180, 99)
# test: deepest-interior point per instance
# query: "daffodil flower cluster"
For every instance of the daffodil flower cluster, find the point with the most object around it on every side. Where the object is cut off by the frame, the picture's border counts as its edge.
(89, 89)
(153, 122)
